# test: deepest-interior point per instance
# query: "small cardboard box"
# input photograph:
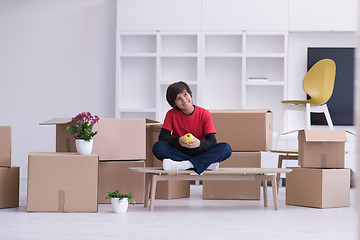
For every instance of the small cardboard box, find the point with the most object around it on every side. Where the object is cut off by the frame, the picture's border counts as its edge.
(5, 146)
(171, 189)
(244, 130)
(9, 187)
(242, 189)
(117, 138)
(320, 188)
(62, 182)
(115, 175)
(321, 148)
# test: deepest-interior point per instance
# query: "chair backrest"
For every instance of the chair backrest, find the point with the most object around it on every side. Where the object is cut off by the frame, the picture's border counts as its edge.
(319, 81)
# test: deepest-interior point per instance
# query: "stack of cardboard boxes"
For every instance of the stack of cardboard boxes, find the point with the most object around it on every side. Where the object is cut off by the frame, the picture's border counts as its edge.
(248, 132)
(119, 144)
(170, 189)
(9, 176)
(321, 180)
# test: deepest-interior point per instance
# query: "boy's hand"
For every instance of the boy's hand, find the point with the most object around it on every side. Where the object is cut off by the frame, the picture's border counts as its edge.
(192, 144)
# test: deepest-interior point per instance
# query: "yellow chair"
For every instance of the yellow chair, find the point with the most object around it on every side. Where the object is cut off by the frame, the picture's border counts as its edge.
(318, 84)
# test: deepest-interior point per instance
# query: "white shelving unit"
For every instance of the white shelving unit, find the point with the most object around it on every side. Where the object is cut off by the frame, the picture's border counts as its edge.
(266, 59)
(216, 65)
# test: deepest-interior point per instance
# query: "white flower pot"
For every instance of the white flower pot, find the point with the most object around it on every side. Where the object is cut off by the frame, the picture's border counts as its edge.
(84, 147)
(119, 206)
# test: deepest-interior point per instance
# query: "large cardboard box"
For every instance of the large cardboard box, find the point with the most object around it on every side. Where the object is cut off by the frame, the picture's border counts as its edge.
(243, 189)
(117, 138)
(320, 188)
(62, 182)
(9, 187)
(244, 130)
(171, 189)
(115, 175)
(321, 148)
(152, 136)
(5, 146)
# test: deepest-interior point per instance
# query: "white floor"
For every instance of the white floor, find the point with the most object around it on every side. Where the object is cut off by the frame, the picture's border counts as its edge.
(190, 218)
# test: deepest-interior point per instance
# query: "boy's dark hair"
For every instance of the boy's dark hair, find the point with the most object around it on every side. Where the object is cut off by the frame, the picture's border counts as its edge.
(174, 89)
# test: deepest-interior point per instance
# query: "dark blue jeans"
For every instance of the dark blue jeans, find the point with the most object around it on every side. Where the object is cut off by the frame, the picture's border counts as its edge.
(200, 160)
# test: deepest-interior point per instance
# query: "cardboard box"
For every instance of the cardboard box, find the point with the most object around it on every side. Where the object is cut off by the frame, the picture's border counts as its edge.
(171, 189)
(62, 182)
(9, 187)
(5, 146)
(165, 189)
(152, 136)
(116, 175)
(320, 188)
(244, 130)
(321, 148)
(243, 189)
(117, 138)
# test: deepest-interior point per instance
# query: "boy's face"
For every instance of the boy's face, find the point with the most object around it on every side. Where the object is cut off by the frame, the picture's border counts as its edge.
(184, 102)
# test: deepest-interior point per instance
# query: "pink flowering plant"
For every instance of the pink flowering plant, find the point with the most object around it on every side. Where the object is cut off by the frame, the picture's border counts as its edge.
(82, 126)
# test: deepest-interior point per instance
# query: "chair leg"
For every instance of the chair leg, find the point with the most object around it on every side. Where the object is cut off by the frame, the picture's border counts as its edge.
(280, 160)
(327, 116)
(308, 117)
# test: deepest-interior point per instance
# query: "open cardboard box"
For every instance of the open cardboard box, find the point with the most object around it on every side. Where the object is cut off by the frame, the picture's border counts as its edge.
(321, 148)
(117, 138)
(244, 130)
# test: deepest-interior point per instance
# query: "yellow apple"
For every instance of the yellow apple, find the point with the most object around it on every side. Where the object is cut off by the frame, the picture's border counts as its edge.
(188, 137)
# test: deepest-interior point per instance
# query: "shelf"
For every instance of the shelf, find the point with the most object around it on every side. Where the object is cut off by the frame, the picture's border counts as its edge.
(265, 55)
(265, 43)
(135, 110)
(178, 43)
(132, 43)
(137, 55)
(264, 83)
(223, 55)
(193, 83)
(178, 55)
(227, 43)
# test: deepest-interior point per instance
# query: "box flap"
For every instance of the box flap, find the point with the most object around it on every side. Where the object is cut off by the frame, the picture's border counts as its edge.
(325, 135)
(241, 111)
(55, 121)
(151, 121)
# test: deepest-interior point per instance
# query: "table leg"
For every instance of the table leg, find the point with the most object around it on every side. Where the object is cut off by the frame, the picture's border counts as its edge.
(265, 193)
(281, 157)
(275, 192)
(153, 191)
(147, 189)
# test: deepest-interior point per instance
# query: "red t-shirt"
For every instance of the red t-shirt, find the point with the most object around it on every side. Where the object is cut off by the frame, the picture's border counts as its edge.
(199, 123)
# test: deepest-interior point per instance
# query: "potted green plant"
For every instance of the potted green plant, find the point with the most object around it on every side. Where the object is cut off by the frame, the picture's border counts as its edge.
(81, 127)
(120, 202)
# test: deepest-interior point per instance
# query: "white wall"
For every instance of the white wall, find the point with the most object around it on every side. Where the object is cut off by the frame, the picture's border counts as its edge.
(299, 42)
(57, 58)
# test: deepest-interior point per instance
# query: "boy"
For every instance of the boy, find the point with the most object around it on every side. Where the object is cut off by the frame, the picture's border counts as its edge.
(203, 152)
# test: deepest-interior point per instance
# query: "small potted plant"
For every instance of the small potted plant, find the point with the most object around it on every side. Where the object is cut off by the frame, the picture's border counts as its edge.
(82, 128)
(120, 202)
